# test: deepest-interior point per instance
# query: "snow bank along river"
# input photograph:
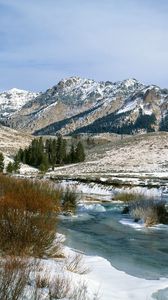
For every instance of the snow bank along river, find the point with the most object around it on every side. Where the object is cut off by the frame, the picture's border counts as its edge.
(127, 261)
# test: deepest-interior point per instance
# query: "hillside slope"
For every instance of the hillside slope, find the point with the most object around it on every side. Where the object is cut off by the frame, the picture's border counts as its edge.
(136, 156)
(11, 140)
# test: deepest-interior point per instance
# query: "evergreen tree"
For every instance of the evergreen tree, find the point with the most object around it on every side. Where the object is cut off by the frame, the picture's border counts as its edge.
(20, 155)
(53, 152)
(53, 158)
(48, 145)
(16, 163)
(79, 152)
(1, 162)
(44, 165)
(72, 157)
(64, 151)
(61, 150)
(10, 168)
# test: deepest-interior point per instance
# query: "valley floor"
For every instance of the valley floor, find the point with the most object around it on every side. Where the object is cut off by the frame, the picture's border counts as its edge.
(134, 160)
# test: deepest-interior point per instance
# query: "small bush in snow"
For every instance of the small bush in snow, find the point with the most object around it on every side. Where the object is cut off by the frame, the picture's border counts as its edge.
(150, 211)
(127, 197)
(76, 264)
(69, 200)
(60, 288)
(42, 282)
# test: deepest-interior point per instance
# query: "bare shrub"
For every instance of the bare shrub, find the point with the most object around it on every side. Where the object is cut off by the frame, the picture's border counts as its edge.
(23, 232)
(150, 211)
(56, 249)
(80, 293)
(69, 200)
(42, 281)
(127, 197)
(34, 195)
(76, 264)
(60, 287)
(14, 275)
(27, 216)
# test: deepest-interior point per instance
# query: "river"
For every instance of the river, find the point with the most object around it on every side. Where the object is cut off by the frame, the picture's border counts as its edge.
(141, 252)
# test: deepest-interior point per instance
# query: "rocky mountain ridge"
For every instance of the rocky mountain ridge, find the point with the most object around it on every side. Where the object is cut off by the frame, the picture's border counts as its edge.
(13, 100)
(78, 105)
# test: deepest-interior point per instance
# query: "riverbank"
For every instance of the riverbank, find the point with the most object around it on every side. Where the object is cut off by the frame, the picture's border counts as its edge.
(103, 281)
(118, 285)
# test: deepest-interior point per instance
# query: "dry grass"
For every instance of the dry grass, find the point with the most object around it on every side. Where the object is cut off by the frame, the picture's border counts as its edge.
(76, 264)
(80, 293)
(127, 197)
(14, 275)
(56, 249)
(27, 216)
(152, 212)
(12, 140)
(60, 288)
(42, 282)
(131, 157)
(69, 200)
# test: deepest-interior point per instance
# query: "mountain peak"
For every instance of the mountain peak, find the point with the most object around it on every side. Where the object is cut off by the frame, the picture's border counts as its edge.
(73, 82)
(13, 99)
(15, 90)
(131, 82)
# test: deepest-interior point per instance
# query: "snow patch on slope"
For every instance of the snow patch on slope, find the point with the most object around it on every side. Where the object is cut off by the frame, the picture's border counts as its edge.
(129, 106)
(13, 100)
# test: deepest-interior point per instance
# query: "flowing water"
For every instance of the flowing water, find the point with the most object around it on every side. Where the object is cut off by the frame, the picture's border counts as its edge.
(97, 230)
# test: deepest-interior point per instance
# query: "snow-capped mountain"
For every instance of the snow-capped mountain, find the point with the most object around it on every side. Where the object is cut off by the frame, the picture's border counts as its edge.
(13, 100)
(77, 105)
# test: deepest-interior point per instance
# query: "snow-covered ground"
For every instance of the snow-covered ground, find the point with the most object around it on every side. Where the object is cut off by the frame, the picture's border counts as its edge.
(11, 140)
(117, 285)
(137, 161)
(27, 170)
(94, 192)
(102, 279)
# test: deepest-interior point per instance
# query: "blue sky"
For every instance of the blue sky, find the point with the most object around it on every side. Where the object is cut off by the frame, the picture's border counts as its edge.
(43, 41)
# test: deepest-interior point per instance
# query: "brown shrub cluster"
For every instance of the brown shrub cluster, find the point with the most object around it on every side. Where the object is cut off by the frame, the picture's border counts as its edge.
(28, 213)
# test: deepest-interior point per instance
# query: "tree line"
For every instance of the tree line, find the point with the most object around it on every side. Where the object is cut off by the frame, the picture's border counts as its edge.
(45, 154)
(116, 123)
(50, 153)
